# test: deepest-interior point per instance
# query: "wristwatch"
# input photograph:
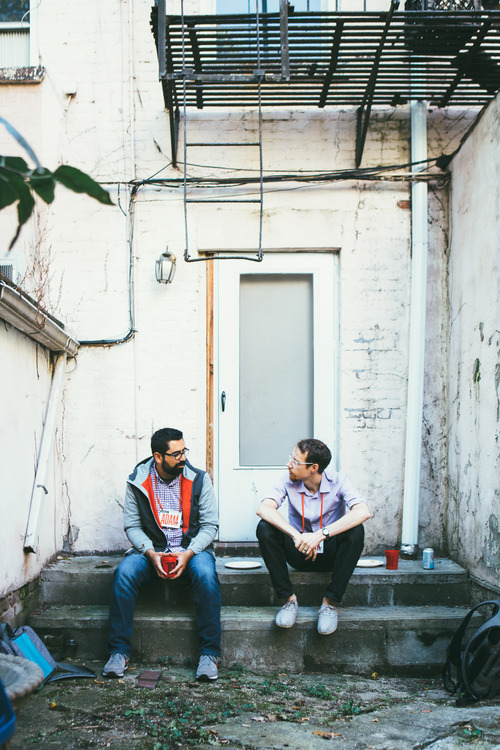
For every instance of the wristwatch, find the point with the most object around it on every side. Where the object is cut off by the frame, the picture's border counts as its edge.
(325, 532)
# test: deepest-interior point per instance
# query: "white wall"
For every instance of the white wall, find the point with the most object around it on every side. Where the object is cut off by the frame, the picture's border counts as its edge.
(474, 362)
(25, 379)
(100, 107)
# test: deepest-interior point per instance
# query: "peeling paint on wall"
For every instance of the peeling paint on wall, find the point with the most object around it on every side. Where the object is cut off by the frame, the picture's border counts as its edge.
(474, 363)
(497, 389)
(476, 372)
(491, 551)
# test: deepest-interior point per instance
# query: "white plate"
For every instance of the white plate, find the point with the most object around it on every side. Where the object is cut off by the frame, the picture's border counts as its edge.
(243, 564)
(366, 562)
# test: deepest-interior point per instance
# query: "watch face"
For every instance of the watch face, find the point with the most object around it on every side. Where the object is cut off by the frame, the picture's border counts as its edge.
(325, 532)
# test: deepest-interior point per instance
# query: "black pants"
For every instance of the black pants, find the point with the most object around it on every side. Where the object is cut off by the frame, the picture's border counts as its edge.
(340, 555)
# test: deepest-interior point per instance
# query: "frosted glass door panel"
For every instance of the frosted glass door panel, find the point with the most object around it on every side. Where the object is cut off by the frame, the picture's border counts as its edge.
(276, 366)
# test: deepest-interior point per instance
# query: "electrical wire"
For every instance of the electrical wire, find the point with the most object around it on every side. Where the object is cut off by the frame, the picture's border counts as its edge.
(307, 178)
(365, 173)
(131, 305)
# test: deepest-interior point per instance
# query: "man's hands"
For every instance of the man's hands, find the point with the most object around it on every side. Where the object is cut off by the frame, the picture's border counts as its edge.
(307, 543)
(182, 560)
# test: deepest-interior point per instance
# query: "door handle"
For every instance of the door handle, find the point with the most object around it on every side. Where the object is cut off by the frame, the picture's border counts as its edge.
(223, 400)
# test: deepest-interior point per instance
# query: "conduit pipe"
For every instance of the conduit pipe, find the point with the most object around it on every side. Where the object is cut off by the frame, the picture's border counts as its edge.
(418, 298)
(44, 458)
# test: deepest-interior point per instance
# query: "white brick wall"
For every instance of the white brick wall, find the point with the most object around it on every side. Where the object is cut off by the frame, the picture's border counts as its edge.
(474, 353)
(25, 378)
(113, 125)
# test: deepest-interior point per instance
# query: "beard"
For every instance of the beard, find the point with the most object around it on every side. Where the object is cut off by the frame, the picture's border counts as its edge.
(173, 471)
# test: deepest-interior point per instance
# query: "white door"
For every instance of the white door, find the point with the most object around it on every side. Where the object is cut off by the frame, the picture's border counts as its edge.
(277, 376)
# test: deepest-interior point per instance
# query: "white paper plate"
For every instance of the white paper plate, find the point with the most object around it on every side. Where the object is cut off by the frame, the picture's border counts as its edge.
(243, 564)
(366, 562)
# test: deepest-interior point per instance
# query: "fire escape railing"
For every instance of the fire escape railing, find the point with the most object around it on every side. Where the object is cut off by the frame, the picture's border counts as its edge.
(363, 60)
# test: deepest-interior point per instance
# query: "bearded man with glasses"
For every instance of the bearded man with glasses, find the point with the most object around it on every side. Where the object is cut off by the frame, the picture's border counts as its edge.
(170, 509)
(324, 531)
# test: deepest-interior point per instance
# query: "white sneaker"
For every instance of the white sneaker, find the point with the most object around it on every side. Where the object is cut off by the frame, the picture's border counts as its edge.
(115, 666)
(207, 668)
(287, 615)
(328, 619)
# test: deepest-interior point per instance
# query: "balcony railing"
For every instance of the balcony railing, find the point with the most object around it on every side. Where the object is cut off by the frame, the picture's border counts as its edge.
(321, 59)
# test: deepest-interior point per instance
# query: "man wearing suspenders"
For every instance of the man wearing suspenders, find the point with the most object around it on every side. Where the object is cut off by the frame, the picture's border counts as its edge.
(324, 530)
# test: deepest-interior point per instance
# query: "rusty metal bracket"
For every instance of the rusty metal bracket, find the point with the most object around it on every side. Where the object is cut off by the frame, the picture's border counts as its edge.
(364, 111)
(462, 60)
(334, 58)
(285, 50)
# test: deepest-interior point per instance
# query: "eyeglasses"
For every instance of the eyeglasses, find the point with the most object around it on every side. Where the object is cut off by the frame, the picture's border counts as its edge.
(178, 454)
(296, 463)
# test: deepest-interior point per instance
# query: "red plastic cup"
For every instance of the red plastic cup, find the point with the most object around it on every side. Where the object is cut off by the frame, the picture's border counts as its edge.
(168, 563)
(391, 559)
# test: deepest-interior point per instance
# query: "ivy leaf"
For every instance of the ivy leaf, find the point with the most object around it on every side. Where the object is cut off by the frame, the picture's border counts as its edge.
(24, 210)
(8, 194)
(43, 183)
(14, 163)
(25, 204)
(79, 182)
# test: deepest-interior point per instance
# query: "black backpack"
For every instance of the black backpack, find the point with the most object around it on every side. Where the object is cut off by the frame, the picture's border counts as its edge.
(477, 663)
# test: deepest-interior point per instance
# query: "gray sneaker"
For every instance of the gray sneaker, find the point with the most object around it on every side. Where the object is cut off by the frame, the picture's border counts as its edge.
(287, 615)
(328, 618)
(207, 668)
(115, 666)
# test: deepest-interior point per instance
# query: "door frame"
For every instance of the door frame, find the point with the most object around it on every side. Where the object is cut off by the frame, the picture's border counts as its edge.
(212, 357)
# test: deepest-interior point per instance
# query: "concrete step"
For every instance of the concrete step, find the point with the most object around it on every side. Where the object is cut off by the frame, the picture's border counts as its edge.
(87, 580)
(386, 639)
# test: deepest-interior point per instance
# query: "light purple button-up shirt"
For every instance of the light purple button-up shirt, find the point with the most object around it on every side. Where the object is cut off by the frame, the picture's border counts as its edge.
(339, 496)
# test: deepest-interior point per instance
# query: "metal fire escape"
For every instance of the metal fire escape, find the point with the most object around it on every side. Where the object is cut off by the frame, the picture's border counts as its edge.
(197, 75)
(446, 52)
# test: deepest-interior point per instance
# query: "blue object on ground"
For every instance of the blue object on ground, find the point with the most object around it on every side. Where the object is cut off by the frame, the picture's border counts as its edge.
(7, 717)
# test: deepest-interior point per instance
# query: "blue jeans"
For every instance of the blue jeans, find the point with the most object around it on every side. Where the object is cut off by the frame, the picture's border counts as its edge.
(135, 570)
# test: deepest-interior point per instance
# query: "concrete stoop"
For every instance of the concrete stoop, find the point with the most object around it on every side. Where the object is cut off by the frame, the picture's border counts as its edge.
(392, 622)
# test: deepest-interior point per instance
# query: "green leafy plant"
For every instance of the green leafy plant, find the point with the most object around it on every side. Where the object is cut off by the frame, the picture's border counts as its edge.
(319, 691)
(350, 708)
(19, 183)
(471, 733)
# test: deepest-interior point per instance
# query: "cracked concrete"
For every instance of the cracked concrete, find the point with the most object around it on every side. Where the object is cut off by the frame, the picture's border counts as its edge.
(253, 711)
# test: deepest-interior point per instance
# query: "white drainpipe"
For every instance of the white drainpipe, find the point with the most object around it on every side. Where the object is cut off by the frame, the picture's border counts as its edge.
(44, 459)
(414, 411)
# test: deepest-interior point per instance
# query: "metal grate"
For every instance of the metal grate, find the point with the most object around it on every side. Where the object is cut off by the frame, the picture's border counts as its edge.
(319, 59)
(442, 5)
(7, 270)
(446, 58)
(14, 48)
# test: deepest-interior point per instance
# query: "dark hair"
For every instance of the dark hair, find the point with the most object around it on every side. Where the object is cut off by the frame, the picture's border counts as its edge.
(316, 452)
(161, 439)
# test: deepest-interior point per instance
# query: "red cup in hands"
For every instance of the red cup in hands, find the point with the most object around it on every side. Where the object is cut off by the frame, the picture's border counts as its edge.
(391, 559)
(168, 563)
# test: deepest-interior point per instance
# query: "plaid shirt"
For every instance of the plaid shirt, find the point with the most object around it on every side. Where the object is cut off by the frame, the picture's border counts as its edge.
(167, 497)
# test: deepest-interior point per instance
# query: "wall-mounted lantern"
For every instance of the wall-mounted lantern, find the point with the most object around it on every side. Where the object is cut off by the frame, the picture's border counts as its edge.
(165, 268)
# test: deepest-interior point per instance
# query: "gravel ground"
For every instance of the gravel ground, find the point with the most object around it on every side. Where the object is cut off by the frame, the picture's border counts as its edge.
(243, 709)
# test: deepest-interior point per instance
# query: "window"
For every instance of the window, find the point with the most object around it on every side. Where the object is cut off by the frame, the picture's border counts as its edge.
(15, 41)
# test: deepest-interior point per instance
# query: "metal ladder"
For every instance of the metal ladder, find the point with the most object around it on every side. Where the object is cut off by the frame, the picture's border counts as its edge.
(245, 144)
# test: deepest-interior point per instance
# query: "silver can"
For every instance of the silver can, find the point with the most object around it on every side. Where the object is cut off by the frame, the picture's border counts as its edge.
(428, 558)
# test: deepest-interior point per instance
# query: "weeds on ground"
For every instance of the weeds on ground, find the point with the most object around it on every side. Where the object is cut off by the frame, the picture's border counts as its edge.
(181, 713)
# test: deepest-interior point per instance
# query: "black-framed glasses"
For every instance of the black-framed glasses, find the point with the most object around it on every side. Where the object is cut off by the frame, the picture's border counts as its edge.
(296, 463)
(178, 454)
